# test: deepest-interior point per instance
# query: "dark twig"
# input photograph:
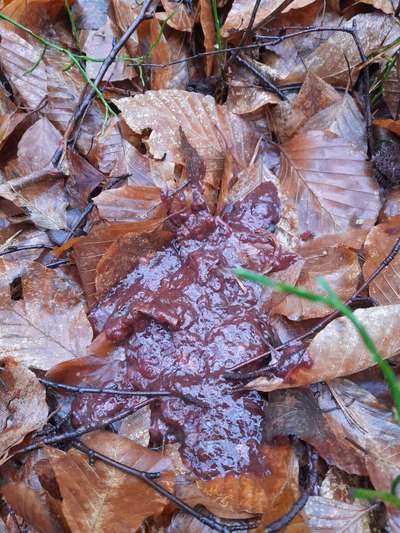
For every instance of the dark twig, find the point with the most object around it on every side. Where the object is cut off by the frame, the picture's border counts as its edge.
(282, 522)
(90, 91)
(22, 247)
(264, 80)
(79, 389)
(318, 327)
(91, 426)
(204, 519)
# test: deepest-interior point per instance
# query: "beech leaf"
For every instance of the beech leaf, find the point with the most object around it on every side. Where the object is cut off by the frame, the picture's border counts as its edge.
(338, 350)
(23, 400)
(48, 325)
(99, 498)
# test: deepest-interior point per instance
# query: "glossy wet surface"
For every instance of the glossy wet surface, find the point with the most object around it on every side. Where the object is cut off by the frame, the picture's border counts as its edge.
(180, 319)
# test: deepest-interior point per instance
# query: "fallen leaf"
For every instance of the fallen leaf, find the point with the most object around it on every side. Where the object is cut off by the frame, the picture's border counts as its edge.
(48, 325)
(16, 264)
(24, 408)
(331, 516)
(391, 90)
(337, 264)
(129, 204)
(98, 43)
(211, 129)
(27, 503)
(388, 124)
(179, 16)
(83, 178)
(10, 118)
(37, 146)
(241, 10)
(32, 13)
(342, 118)
(325, 187)
(385, 288)
(208, 27)
(100, 498)
(107, 148)
(90, 14)
(391, 206)
(126, 11)
(338, 350)
(248, 494)
(385, 6)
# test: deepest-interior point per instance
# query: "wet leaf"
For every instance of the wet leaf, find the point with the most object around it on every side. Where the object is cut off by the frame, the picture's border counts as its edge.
(388, 124)
(181, 15)
(23, 401)
(391, 207)
(100, 498)
(208, 27)
(90, 14)
(385, 288)
(385, 6)
(337, 264)
(27, 503)
(18, 263)
(325, 186)
(48, 325)
(212, 130)
(83, 178)
(331, 516)
(125, 12)
(338, 350)
(241, 10)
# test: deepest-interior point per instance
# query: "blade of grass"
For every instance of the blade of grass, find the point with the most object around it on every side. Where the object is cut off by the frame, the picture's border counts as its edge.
(369, 494)
(333, 301)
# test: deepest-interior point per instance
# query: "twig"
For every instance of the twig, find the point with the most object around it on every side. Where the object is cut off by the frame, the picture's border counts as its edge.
(282, 522)
(21, 247)
(318, 327)
(264, 80)
(204, 519)
(90, 92)
(92, 426)
(79, 389)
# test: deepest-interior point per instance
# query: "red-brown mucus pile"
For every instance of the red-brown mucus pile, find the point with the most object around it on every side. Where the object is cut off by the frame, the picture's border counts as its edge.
(180, 319)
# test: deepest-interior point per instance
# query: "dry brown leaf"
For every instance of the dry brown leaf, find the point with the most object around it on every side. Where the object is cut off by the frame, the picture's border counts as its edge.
(129, 204)
(37, 146)
(337, 264)
(391, 90)
(9, 116)
(208, 27)
(325, 187)
(23, 400)
(32, 13)
(338, 350)
(48, 325)
(211, 129)
(385, 288)
(343, 118)
(126, 11)
(314, 96)
(16, 264)
(382, 471)
(27, 503)
(391, 207)
(107, 148)
(241, 10)
(386, 6)
(388, 124)
(90, 14)
(99, 498)
(331, 516)
(248, 494)
(181, 15)
(83, 178)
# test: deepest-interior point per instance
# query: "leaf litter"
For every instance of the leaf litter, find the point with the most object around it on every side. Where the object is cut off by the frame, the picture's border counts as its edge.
(147, 151)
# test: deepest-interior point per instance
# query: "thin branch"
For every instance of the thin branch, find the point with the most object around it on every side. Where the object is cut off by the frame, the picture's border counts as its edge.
(318, 327)
(264, 80)
(204, 519)
(22, 247)
(91, 426)
(80, 389)
(91, 92)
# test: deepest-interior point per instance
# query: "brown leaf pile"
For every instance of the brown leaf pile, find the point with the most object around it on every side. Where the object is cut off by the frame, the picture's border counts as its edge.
(229, 133)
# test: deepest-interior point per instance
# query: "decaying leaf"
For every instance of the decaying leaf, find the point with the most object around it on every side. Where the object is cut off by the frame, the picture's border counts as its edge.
(241, 10)
(48, 325)
(211, 129)
(325, 186)
(83, 178)
(385, 288)
(23, 404)
(208, 27)
(391, 90)
(391, 206)
(337, 264)
(179, 16)
(27, 503)
(16, 264)
(338, 350)
(388, 124)
(331, 516)
(101, 498)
